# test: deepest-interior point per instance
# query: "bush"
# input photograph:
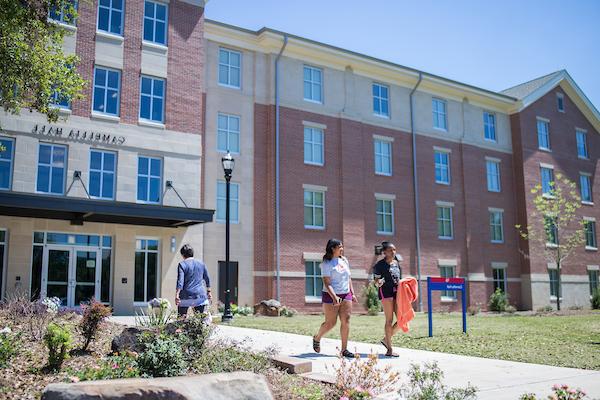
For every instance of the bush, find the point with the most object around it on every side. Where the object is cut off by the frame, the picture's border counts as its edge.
(229, 358)
(192, 334)
(9, 343)
(498, 301)
(545, 309)
(94, 315)
(162, 356)
(559, 392)
(245, 310)
(426, 384)
(510, 309)
(34, 316)
(595, 301)
(475, 309)
(362, 378)
(158, 315)
(116, 366)
(58, 339)
(371, 299)
(287, 311)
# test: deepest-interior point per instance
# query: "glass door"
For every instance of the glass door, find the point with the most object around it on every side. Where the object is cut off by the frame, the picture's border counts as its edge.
(57, 274)
(85, 276)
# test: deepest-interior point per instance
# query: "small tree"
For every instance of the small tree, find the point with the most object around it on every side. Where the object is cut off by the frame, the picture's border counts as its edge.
(555, 230)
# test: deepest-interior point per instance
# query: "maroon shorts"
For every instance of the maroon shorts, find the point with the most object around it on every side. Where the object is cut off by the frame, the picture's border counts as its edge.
(326, 297)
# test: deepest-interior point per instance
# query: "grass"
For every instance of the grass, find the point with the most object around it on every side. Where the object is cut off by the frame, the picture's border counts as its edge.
(562, 340)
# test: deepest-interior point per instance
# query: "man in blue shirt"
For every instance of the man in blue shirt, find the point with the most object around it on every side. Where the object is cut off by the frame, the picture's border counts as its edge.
(193, 283)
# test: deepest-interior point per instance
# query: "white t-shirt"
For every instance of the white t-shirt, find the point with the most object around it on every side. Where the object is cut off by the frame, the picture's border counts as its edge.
(338, 269)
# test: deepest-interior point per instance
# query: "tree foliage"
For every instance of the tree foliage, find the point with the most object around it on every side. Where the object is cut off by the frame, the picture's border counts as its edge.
(33, 65)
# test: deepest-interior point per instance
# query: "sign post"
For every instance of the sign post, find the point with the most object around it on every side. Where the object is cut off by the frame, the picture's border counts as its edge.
(439, 283)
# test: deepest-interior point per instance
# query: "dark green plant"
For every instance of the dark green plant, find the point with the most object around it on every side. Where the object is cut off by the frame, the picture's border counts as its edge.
(116, 366)
(59, 340)
(595, 301)
(498, 301)
(287, 312)
(229, 358)
(162, 356)
(94, 314)
(426, 383)
(9, 345)
(193, 335)
(371, 299)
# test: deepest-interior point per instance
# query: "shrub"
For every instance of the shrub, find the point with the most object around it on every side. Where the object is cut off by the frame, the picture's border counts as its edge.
(287, 311)
(58, 339)
(371, 299)
(245, 310)
(426, 384)
(510, 309)
(498, 301)
(94, 315)
(158, 315)
(595, 301)
(116, 366)
(9, 343)
(545, 309)
(227, 357)
(192, 334)
(559, 392)
(34, 316)
(475, 309)
(362, 377)
(162, 356)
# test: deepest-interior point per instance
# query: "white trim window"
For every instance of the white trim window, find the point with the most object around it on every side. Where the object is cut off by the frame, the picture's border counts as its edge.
(439, 112)
(381, 100)
(496, 226)
(499, 278)
(553, 281)
(107, 91)
(444, 222)
(551, 231)
(560, 102)
(152, 99)
(547, 175)
(146, 270)
(103, 165)
(314, 147)
(313, 84)
(594, 278)
(230, 67)
(543, 134)
(493, 175)
(149, 179)
(110, 16)
(7, 156)
(582, 148)
(314, 209)
(155, 22)
(63, 16)
(383, 157)
(590, 235)
(585, 188)
(385, 216)
(52, 168)
(448, 271)
(313, 286)
(228, 133)
(442, 167)
(489, 126)
(234, 202)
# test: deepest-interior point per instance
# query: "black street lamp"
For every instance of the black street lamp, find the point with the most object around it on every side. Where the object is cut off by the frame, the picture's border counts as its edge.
(228, 164)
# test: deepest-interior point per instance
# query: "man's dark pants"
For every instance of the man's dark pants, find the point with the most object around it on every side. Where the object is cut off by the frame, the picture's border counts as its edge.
(181, 311)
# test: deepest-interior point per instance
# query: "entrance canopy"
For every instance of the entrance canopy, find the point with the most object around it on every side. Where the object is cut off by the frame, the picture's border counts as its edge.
(80, 210)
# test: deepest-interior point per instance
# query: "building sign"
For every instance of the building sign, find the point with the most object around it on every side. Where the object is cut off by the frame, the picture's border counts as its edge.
(76, 134)
(441, 283)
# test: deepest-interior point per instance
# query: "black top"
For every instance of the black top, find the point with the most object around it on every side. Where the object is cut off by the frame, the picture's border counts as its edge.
(389, 272)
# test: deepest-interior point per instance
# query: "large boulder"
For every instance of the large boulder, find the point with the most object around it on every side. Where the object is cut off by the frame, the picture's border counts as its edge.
(235, 385)
(269, 308)
(127, 340)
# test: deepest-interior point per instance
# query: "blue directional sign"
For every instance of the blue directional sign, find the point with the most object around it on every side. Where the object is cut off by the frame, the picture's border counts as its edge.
(439, 283)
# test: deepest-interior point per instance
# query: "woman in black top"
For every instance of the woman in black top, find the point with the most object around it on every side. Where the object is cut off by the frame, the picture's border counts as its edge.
(387, 274)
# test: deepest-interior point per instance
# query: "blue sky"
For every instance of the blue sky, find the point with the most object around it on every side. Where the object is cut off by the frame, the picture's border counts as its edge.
(491, 44)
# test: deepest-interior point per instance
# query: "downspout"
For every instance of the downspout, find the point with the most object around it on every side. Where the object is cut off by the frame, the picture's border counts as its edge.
(277, 213)
(416, 189)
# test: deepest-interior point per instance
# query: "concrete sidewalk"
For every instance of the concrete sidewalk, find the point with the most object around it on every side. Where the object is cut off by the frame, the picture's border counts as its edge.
(495, 379)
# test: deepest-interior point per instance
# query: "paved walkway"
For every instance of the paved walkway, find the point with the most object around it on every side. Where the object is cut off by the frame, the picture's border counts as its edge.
(495, 379)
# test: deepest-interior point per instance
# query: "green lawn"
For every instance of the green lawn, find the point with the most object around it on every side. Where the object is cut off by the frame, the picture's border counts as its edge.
(566, 340)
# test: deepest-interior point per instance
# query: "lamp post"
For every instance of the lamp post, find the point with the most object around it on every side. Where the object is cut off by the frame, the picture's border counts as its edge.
(228, 164)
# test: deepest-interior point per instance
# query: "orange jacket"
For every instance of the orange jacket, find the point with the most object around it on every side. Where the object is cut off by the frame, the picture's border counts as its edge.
(407, 294)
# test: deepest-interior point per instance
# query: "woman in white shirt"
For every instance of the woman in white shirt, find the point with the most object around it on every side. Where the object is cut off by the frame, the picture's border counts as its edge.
(337, 296)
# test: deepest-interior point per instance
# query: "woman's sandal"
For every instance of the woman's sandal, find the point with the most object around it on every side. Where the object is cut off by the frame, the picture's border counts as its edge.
(348, 354)
(316, 345)
(389, 352)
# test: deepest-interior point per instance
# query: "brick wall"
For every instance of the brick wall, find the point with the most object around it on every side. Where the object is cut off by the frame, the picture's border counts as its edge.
(132, 59)
(85, 48)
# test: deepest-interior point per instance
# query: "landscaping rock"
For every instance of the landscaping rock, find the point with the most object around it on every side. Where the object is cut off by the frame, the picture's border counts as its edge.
(128, 340)
(268, 308)
(292, 365)
(236, 385)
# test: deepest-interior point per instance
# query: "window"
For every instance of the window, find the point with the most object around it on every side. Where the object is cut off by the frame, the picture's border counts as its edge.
(155, 22)
(152, 99)
(146, 270)
(234, 202)
(228, 133)
(383, 157)
(554, 287)
(107, 85)
(560, 102)
(493, 175)
(314, 209)
(102, 174)
(60, 101)
(149, 181)
(63, 15)
(499, 278)
(547, 180)
(585, 188)
(582, 150)
(52, 167)
(381, 100)
(496, 226)
(313, 146)
(489, 126)
(7, 154)
(385, 216)
(313, 84)
(594, 277)
(551, 231)
(444, 222)
(448, 271)
(439, 114)
(314, 281)
(590, 234)
(230, 64)
(543, 133)
(442, 167)
(110, 16)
